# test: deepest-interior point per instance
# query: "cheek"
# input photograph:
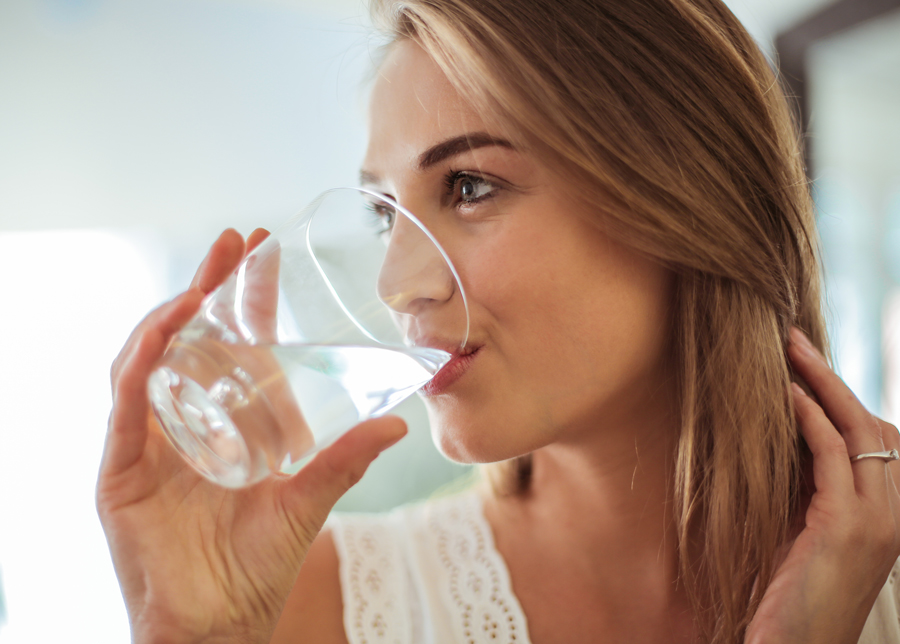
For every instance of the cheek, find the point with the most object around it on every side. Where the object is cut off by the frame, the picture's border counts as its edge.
(574, 328)
(553, 288)
(510, 271)
(571, 314)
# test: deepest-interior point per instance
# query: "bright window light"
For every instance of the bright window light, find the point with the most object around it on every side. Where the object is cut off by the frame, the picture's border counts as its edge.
(69, 300)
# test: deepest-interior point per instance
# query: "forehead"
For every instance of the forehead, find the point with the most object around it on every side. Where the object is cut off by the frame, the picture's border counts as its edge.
(413, 105)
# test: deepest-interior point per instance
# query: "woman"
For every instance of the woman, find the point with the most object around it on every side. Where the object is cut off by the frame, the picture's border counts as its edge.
(619, 185)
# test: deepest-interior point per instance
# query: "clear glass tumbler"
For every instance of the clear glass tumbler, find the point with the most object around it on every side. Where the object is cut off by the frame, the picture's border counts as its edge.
(343, 312)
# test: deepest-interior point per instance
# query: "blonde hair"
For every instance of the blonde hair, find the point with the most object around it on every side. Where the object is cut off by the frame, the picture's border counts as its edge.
(667, 113)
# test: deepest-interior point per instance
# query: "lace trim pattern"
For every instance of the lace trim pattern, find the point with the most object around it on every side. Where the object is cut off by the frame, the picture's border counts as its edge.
(477, 589)
(375, 582)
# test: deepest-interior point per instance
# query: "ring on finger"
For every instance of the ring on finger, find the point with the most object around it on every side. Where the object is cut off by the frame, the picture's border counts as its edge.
(890, 455)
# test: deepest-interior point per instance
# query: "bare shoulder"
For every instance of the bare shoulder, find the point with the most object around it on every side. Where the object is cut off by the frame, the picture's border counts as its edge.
(314, 609)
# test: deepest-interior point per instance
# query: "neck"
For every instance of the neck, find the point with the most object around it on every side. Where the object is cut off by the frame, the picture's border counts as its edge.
(602, 500)
(593, 542)
(614, 498)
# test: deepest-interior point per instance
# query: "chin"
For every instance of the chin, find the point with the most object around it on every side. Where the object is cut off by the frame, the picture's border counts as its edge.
(470, 443)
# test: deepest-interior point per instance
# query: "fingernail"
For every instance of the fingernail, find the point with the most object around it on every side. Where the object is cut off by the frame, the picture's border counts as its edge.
(798, 337)
(798, 391)
(219, 238)
(803, 345)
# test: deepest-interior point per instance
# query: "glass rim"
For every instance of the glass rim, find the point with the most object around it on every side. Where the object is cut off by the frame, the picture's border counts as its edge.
(312, 207)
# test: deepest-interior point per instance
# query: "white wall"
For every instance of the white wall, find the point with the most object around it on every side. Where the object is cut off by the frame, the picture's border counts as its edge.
(181, 116)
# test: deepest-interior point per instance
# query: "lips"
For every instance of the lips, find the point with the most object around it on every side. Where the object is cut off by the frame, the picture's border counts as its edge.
(451, 372)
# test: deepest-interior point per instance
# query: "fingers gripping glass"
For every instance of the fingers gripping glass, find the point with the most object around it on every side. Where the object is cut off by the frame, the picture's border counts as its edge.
(342, 313)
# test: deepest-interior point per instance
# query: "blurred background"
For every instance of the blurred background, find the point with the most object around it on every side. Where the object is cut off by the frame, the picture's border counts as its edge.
(133, 131)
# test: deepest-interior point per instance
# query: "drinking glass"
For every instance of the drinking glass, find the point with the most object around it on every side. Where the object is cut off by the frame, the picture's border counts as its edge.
(343, 312)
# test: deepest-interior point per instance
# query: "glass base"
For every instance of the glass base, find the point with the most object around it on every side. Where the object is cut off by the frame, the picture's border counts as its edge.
(198, 425)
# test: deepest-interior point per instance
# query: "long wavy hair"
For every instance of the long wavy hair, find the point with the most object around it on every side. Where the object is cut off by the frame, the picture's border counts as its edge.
(667, 113)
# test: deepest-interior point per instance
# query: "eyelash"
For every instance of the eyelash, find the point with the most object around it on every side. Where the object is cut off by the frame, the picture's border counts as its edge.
(452, 180)
(383, 223)
(379, 219)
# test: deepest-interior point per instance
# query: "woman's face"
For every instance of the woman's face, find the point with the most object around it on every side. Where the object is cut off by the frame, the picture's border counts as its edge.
(568, 328)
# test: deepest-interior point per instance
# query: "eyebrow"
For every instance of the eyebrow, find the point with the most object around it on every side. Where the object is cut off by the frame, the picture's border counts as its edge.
(446, 149)
(457, 145)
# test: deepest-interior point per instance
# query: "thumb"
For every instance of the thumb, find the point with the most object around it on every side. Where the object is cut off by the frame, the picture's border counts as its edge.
(312, 492)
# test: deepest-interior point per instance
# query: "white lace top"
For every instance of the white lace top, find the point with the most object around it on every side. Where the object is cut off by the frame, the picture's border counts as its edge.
(430, 574)
(425, 574)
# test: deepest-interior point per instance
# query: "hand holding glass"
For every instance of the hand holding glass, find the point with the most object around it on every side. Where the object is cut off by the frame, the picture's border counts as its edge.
(345, 311)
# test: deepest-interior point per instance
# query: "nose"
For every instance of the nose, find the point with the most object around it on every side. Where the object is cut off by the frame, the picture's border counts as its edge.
(414, 276)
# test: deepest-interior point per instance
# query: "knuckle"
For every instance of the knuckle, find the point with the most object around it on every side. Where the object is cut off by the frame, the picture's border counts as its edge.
(115, 369)
(331, 469)
(810, 411)
(345, 476)
(887, 537)
(894, 545)
(803, 404)
(872, 430)
(877, 532)
(894, 475)
(834, 445)
(856, 535)
(884, 532)
(354, 474)
(848, 397)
